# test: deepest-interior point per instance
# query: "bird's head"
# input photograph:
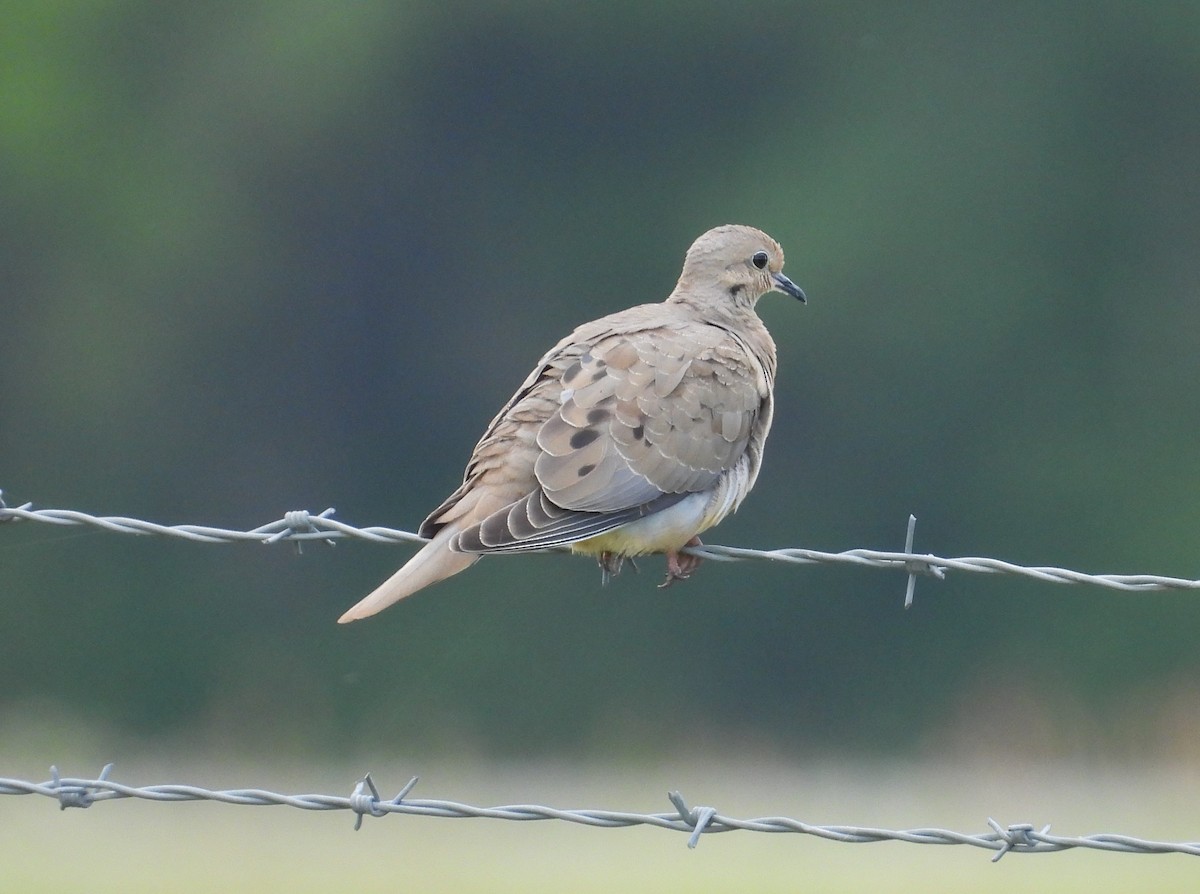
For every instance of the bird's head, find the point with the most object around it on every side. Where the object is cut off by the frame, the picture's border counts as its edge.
(735, 262)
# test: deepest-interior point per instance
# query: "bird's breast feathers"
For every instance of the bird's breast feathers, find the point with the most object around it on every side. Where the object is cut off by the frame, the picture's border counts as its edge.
(671, 528)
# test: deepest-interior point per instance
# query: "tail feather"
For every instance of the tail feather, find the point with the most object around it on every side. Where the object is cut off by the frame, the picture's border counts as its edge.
(432, 563)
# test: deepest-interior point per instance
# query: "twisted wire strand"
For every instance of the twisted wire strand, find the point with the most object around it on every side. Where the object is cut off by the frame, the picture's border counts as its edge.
(300, 526)
(365, 801)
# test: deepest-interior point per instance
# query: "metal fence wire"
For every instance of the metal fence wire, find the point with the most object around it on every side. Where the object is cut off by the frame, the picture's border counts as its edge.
(302, 526)
(365, 800)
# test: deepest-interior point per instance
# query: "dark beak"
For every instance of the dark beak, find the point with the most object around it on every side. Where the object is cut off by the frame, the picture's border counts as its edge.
(783, 284)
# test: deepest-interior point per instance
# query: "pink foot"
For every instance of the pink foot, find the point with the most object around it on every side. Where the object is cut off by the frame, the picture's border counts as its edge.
(681, 565)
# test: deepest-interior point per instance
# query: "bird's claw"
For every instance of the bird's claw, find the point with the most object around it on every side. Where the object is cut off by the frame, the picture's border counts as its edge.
(681, 565)
(610, 566)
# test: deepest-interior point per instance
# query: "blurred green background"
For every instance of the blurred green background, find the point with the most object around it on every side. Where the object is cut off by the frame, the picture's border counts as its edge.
(270, 256)
(266, 256)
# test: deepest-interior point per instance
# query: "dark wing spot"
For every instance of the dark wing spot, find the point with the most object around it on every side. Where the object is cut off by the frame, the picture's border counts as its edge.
(639, 432)
(584, 437)
(572, 371)
(598, 415)
(586, 470)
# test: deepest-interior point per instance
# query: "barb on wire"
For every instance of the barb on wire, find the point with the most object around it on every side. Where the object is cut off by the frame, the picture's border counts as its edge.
(300, 525)
(696, 821)
(71, 794)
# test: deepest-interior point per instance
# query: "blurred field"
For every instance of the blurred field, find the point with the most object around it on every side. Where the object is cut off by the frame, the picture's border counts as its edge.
(138, 846)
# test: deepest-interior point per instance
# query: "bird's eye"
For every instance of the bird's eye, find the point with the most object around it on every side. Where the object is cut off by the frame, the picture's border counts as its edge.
(759, 260)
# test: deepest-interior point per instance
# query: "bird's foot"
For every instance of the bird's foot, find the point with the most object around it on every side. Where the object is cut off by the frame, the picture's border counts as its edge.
(610, 566)
(681, 565)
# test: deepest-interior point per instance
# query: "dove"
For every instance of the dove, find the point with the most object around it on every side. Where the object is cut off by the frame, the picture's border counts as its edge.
(631, 436)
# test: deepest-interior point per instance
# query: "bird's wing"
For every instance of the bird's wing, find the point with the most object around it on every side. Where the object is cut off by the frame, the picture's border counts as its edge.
(638, 411)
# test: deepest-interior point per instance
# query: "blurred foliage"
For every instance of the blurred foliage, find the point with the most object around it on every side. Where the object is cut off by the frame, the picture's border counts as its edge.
(277, 255)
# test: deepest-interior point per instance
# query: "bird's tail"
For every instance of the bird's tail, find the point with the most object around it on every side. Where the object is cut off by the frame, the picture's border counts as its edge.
(432, 563)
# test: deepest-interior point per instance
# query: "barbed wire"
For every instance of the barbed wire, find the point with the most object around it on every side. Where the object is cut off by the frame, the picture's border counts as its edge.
(300, 526)
(365, 800)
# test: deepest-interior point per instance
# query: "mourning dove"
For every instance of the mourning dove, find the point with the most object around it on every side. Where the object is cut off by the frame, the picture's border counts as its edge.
(634, 434)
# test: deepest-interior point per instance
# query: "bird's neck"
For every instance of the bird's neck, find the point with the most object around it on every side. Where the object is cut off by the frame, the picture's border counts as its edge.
(717, 303)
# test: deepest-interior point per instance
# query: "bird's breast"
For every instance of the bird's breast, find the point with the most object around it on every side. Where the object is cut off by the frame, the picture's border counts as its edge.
(667, 530)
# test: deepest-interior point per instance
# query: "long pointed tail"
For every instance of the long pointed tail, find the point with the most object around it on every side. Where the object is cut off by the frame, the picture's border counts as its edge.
(432, 563)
